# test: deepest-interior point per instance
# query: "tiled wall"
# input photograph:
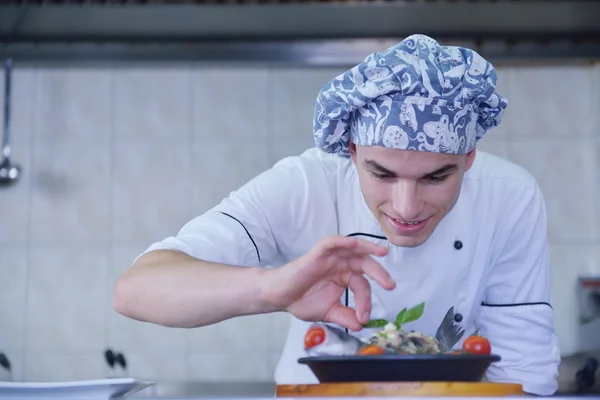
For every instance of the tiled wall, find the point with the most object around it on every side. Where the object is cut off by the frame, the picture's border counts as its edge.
(116, 158)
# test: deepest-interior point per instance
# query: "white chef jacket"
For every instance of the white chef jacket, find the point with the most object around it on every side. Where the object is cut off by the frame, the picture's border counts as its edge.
(488, 258)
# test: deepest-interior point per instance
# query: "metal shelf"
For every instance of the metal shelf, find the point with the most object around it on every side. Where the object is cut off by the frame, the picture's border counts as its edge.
(299, 53)
(312, 32)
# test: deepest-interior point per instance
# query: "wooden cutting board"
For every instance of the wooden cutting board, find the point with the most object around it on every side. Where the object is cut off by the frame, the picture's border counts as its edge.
(399, 389)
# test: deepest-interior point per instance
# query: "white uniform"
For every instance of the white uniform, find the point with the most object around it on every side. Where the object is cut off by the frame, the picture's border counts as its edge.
(488, 258)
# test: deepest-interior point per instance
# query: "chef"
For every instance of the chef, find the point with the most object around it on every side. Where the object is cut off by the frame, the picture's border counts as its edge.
(394, 207)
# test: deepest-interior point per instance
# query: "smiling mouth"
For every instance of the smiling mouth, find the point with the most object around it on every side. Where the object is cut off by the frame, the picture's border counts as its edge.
(401, 221)
(406, 227)
(407, 222)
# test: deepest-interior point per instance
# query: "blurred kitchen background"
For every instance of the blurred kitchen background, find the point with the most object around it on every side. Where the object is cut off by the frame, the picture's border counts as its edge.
(129, 118)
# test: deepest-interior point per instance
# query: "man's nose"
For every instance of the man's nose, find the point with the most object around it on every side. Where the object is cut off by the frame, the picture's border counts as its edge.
(406, 200)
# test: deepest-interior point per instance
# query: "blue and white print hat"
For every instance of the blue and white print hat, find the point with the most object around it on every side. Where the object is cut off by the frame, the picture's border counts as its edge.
(416, 95)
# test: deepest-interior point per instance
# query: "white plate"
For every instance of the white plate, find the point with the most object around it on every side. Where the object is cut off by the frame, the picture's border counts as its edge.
(101, 389)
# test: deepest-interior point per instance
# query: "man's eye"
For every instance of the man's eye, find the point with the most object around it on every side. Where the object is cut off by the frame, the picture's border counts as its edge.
(381, 176)
(437, 179)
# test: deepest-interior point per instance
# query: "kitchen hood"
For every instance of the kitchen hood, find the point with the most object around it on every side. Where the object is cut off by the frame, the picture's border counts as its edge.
(286, 30)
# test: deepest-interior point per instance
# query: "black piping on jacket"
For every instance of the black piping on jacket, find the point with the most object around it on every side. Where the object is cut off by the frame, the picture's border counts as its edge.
(248, 233)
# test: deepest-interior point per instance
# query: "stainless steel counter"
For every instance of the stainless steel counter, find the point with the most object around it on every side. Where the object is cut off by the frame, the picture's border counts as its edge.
(208, 390)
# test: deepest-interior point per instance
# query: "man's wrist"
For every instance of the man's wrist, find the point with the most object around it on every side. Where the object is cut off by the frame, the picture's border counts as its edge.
(269, 290)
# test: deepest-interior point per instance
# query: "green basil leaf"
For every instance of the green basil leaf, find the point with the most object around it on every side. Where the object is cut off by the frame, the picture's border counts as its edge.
(400, 318)
(376, 323)
(414, 313)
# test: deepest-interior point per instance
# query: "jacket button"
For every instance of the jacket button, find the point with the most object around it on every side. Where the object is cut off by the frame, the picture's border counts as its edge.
(458, 245)
(458, 318)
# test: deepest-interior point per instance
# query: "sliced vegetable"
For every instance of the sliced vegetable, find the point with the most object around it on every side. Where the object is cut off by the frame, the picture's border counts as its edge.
(476, 344)
(371, 350)
(313, 337)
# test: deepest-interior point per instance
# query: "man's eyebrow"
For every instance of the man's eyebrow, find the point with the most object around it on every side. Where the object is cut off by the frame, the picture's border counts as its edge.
(446, 169)
(379, 167)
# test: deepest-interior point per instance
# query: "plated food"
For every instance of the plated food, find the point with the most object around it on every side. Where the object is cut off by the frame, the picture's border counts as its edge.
(396, 341)
(326, 340)
(393, 354)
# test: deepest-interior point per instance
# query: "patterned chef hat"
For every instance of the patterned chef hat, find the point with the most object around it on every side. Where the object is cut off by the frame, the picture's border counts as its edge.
(416, 95)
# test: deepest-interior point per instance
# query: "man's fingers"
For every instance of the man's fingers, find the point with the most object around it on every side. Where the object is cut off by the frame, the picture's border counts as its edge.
(366, 265)
(362, 295)
(343, 316)
(356, 245)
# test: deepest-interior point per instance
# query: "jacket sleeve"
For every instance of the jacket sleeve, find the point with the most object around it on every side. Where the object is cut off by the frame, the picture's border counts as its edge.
(516, 314)
(260, 223)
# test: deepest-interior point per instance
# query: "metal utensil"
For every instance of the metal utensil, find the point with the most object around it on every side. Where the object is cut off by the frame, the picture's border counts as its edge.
(9, 172)
(5, 364)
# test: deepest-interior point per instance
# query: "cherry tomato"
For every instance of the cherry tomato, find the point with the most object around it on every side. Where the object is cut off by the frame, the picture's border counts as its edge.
(314, 337)
(371, 350)
(477, 345)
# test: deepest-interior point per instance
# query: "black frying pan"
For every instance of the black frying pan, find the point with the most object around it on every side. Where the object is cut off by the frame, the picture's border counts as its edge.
(400, 368)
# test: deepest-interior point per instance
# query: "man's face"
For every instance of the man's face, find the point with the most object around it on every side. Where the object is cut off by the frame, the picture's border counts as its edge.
(409, 192)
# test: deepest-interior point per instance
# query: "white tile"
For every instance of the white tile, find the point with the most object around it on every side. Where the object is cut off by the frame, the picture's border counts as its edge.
(227, 366)
(596, 270)
(56, 367)
(15, 198)
(567, 264)
(13, 264)
(565, 172)
(245, 334)
(153, 102)
(23, 88)
(278, 324)
(555, 101)
(295, 92)
(219, 166)
(503, 80)
(494, 145)
(230, 102)
(169, 366)
(66, 305)
(73, 103)
(69, 194)
(150, 190)
(131, 336)
(281, 147)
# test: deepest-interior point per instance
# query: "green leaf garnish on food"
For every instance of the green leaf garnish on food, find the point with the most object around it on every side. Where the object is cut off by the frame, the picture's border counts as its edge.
(409, 315)
(400, 318)
(404, 317)
(376, 323)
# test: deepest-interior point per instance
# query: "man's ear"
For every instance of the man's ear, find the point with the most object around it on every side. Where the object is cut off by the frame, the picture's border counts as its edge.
(470, 159)
(352, 148)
